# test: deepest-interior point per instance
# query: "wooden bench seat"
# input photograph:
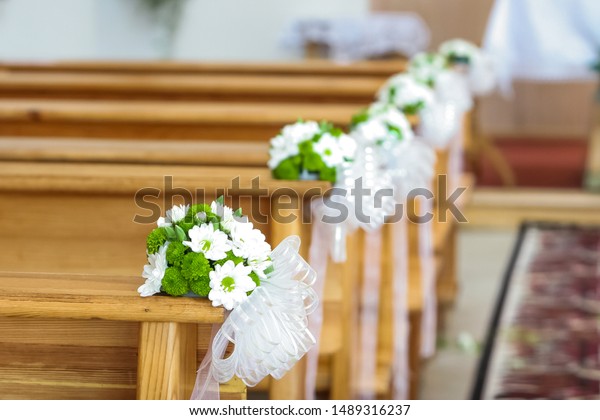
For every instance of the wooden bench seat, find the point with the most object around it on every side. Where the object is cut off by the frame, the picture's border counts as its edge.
(89, 336)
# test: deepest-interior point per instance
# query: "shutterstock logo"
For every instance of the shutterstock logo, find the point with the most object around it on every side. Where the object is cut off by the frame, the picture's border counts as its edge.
(285, 204)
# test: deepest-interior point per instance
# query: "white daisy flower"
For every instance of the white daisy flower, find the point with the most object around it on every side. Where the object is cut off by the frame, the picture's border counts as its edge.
(248, 241)
(426, 67)
(404, 91)
(212, 243)
(173, 216)
(329, 150)
(371, 131)
(260, 261)
(300, 131)
(229, 284)
(225, 213)
(347, 146)
(281, 149)
(154, 272)
(377, 127)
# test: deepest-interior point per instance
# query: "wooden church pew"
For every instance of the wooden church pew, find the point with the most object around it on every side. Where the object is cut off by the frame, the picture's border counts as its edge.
(371, 68)
(88, 227)
(35, 116)
(358, 91)
(157, 152)
(68, 336)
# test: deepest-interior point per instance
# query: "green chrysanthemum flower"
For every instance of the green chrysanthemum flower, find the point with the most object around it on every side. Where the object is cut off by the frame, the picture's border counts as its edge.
(195, 269)
(175, 253)
(155, 240)
(174, 283)
(327, 174)
(313, 162)
(287, 169)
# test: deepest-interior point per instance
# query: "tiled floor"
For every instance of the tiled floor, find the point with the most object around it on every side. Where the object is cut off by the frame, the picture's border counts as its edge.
(483, 256)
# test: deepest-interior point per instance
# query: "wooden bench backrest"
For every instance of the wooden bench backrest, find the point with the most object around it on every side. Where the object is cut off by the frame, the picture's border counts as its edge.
(161, 120)
(359, 91)
(375, 68)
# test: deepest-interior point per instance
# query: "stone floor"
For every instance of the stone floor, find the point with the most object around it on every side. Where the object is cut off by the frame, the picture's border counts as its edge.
(483, 256)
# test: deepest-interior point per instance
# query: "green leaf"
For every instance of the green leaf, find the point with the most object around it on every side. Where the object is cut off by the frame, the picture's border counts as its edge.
(395, 131)
(392, 94)
(359, 118)
(198, 208)
(181, 236)
(221, 200)
(170, 231)
(238, 212)
(413, 108)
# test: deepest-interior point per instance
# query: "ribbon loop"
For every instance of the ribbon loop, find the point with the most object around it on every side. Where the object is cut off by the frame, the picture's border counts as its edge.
(269, 330)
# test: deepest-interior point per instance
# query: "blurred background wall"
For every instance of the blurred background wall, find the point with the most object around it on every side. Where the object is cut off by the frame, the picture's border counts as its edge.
(125, 29)
(446, 18)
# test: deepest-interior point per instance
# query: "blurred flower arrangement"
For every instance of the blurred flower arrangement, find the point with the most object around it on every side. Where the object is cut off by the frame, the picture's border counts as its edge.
(407, 93)
(309, 150)
(459, 51)
(382, 125)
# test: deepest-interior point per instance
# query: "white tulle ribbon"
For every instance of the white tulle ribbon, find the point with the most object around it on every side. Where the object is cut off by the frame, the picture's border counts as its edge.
(413, 168)
(328, 240)
(269, 330)
(400, 367)
(369, 315)
(483, 75)
(438, 123)
(428, 273)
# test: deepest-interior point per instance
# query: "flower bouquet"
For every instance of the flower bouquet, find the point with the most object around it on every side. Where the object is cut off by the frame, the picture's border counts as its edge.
(308, 150)
(459, 51)
(426, 67)
(382, 125)
(410, 163)
(407, 93)
(212, 251)
(208, 250)
(468, 59)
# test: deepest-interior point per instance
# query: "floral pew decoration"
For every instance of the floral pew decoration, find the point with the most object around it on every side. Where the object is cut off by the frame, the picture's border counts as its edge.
(439, 87)
(214, 252)
(478, 68)
(309, 150)
(408, 164)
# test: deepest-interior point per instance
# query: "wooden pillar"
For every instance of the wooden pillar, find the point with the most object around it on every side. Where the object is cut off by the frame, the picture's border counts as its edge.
(166, 360)
(344, 361)
(286, 220)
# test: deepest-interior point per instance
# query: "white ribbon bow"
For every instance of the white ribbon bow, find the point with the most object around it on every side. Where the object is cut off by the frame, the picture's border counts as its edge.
(269, 329)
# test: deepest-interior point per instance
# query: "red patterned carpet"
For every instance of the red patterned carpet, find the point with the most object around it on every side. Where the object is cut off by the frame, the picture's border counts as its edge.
(544, 341)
